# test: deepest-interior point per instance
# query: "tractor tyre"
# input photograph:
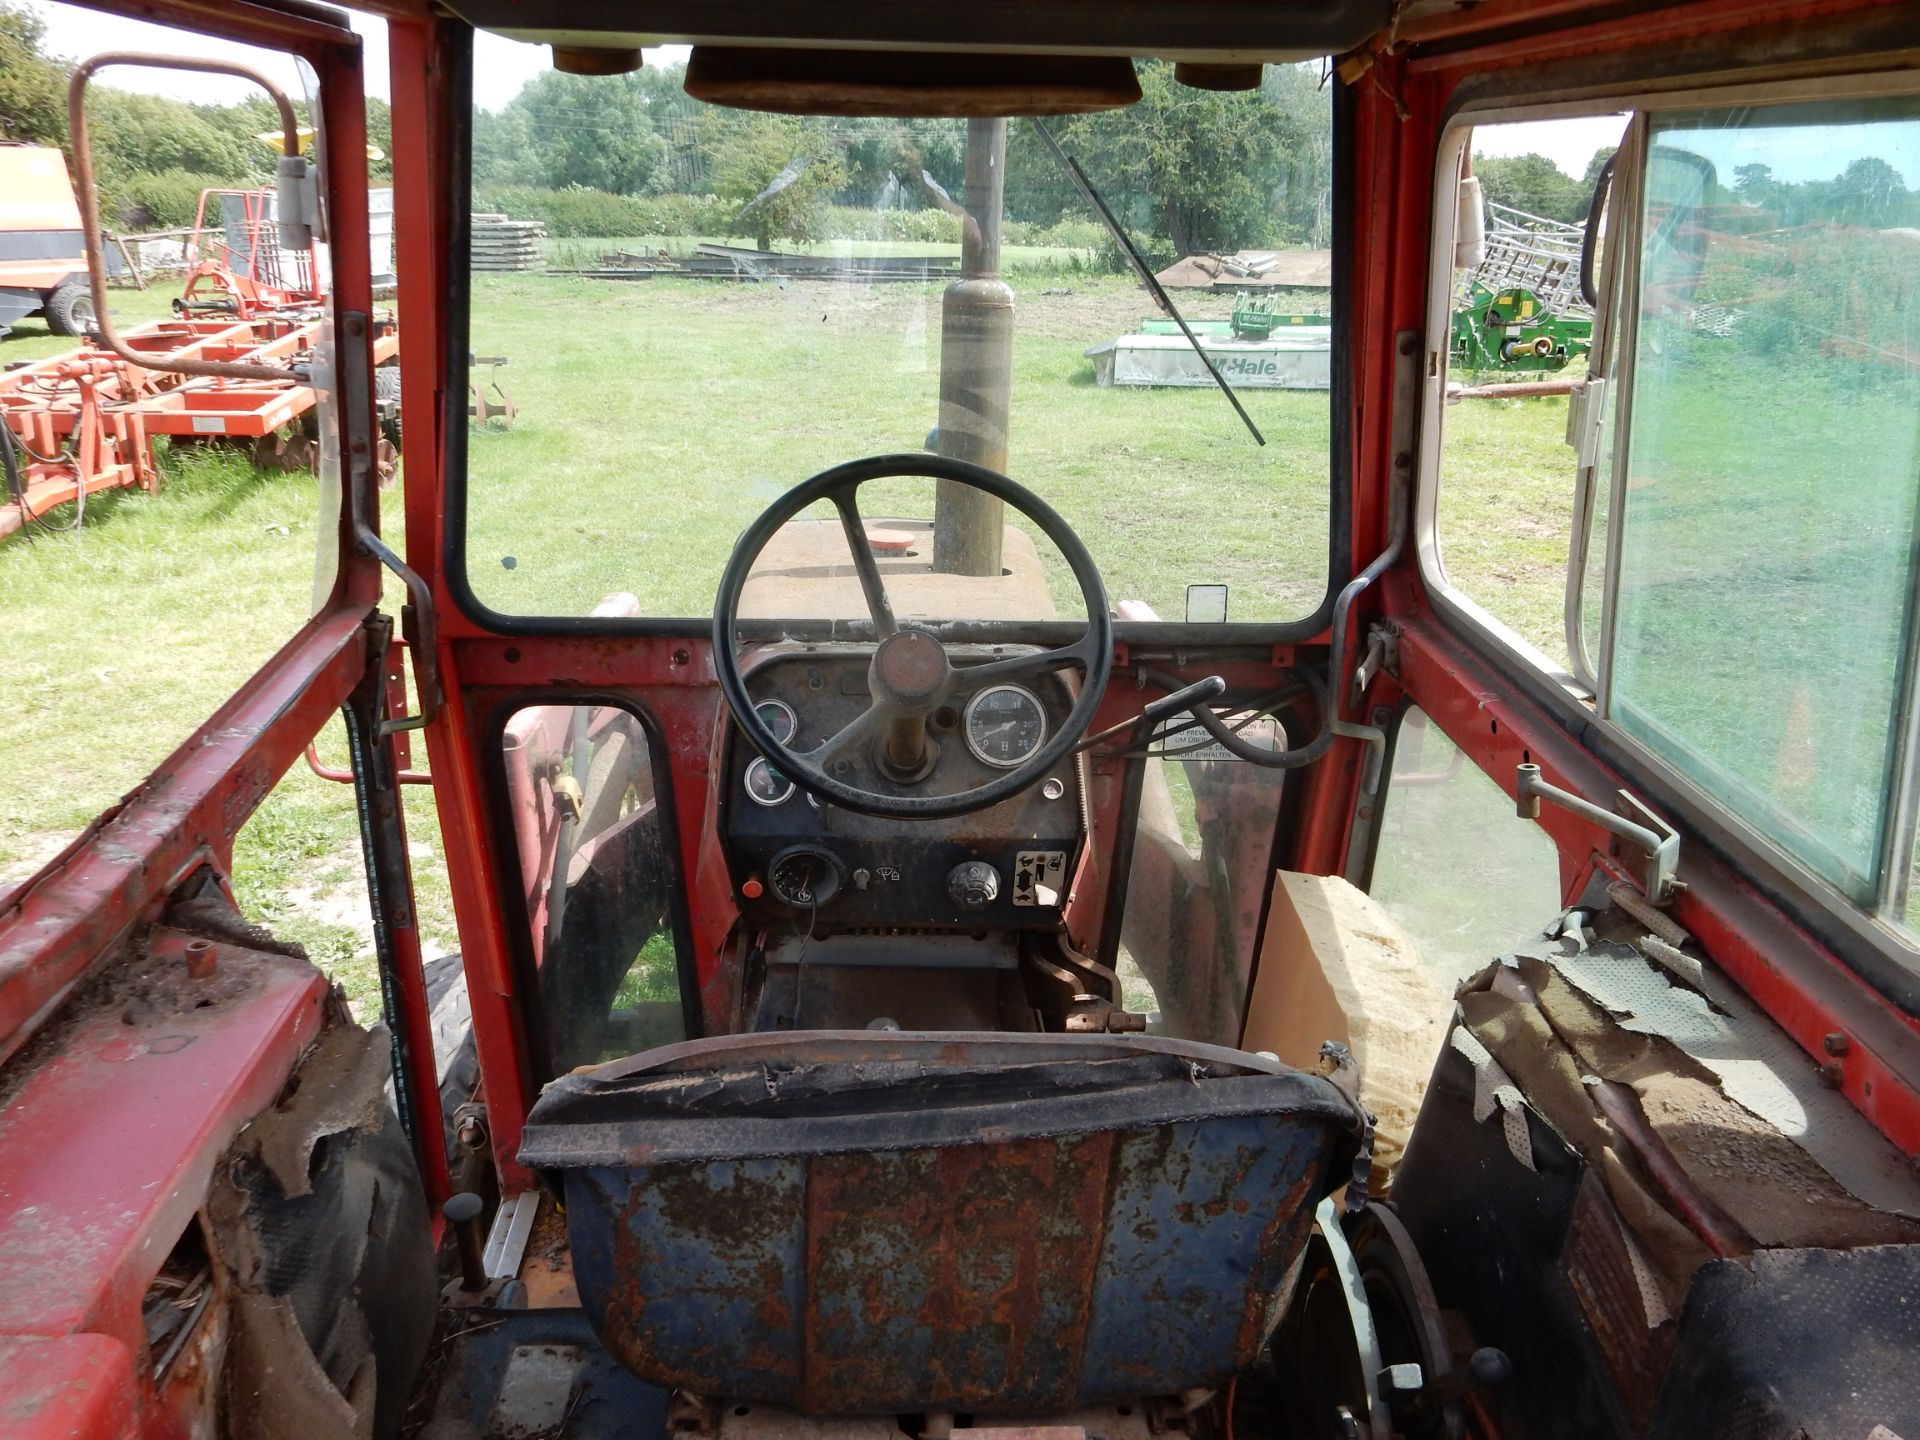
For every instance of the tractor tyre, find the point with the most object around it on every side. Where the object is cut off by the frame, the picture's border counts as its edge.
(69, 307)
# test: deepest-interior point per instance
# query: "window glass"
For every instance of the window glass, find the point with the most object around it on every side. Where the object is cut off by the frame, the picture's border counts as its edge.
(134, 611)
(597, 881)
(1202, 864)
(1772, 468)
(1464, 876)
(701, 307)
(1504, 506)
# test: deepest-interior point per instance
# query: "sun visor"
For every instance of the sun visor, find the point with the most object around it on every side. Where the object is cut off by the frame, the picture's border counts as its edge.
(872, 82)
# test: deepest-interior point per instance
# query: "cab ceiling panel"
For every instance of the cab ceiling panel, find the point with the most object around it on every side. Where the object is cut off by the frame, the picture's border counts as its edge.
(1195, 30)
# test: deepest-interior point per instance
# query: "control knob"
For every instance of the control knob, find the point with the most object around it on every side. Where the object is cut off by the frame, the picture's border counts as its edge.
(973, 884)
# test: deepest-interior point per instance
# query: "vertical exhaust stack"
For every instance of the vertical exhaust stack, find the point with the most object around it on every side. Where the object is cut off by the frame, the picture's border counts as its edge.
(976, 365)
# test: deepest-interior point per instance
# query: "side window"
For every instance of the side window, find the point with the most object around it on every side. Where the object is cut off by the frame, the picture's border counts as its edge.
(1202, 865)
(1761, 615)
(1521, 335)
(597, 880)
(1464, 876)
(1723, 563)
(153, 553)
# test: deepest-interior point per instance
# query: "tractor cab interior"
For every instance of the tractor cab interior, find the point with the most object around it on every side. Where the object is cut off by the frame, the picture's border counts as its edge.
(1022, 870)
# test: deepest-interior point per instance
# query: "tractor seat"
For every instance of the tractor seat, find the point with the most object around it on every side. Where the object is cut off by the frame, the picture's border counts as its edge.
(881, 1223)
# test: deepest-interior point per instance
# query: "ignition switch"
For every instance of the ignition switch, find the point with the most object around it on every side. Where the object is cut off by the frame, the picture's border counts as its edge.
(805, 877)
(973, 884)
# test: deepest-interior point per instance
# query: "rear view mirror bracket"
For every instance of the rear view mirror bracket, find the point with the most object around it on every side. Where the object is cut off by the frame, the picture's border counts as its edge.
(1590, 242)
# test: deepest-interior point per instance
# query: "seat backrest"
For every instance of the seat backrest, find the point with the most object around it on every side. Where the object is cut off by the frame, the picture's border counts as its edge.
(870, 1223)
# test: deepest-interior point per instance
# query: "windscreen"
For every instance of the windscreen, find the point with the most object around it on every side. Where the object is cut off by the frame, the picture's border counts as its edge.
(680, 311)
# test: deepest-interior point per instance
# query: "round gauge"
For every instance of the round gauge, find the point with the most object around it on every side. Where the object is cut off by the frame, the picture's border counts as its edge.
(766, 785)
(778, 717)
(1004, 724)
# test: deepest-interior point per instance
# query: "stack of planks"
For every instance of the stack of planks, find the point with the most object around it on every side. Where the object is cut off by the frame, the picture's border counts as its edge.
(502, 244)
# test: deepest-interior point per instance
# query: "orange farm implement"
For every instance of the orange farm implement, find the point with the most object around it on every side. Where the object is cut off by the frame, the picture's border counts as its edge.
(85, 421)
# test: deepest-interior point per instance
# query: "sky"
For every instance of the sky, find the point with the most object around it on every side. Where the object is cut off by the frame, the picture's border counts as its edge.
(500, 67)
(1568, 143)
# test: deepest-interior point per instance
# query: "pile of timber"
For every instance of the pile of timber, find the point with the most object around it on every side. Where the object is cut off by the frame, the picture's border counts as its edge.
(498, 243)
(737, 262)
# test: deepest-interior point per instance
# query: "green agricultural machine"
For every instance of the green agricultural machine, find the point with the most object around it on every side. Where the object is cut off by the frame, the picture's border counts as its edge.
(1520, 309)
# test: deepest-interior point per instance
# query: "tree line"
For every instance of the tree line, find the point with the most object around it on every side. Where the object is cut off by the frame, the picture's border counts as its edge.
(1187, 169)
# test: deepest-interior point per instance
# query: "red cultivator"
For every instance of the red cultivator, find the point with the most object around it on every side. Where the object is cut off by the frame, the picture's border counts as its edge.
(85, 421)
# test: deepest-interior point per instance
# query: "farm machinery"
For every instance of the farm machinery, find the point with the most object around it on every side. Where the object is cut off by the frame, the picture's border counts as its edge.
(84, 421)
(1520, 309)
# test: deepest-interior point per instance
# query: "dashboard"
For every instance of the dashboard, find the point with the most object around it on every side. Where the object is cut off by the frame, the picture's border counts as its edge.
(794, 859)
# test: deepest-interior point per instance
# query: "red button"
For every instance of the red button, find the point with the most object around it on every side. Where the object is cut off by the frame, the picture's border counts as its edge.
(752, 888)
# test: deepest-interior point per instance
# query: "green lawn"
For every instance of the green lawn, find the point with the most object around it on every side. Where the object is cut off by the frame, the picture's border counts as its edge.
(658, 417)
(126, 633)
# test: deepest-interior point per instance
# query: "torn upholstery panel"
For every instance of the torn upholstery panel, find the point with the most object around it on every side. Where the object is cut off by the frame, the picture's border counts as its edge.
(1684, 1157)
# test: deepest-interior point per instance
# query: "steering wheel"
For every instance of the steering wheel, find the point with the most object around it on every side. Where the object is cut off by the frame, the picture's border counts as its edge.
(910, 676)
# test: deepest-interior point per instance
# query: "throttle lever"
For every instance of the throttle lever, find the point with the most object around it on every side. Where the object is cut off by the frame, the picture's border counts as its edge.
(1201, 691)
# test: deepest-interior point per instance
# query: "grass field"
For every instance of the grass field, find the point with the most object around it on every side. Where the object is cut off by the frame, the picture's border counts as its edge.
(656, 419)
(124, 634)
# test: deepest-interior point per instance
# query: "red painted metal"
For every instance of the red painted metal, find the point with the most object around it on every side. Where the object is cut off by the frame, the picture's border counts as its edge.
(1386, 147)
(73, 1387)
(421, 49)
(1654, 27)
(108, 449)
(55, 926)
(91, 1210)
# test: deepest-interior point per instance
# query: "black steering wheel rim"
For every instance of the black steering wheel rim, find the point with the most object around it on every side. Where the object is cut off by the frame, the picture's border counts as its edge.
(1093, 651)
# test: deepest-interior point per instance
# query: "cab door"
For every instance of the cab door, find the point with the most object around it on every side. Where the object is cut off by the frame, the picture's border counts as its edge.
(152, 1041)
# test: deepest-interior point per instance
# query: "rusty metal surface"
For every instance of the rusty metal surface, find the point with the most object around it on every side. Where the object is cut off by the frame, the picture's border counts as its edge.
(925, 1222)
(959, 1047)
(1598, 1263)
(110, 1134)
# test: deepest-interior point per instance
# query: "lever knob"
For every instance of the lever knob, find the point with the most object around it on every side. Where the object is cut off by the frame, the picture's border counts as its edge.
(974, 884)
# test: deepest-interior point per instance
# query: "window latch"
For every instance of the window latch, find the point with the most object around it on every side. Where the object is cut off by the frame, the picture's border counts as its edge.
(1383, 653)
(1585, 410)
(1659, 839)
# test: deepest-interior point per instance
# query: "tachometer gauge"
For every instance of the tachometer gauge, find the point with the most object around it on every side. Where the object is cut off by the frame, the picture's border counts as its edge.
(1004, 724)
(778, 717)
(766, 785)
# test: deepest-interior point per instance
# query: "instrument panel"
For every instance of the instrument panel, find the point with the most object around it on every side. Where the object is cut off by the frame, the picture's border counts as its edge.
(796, 859)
